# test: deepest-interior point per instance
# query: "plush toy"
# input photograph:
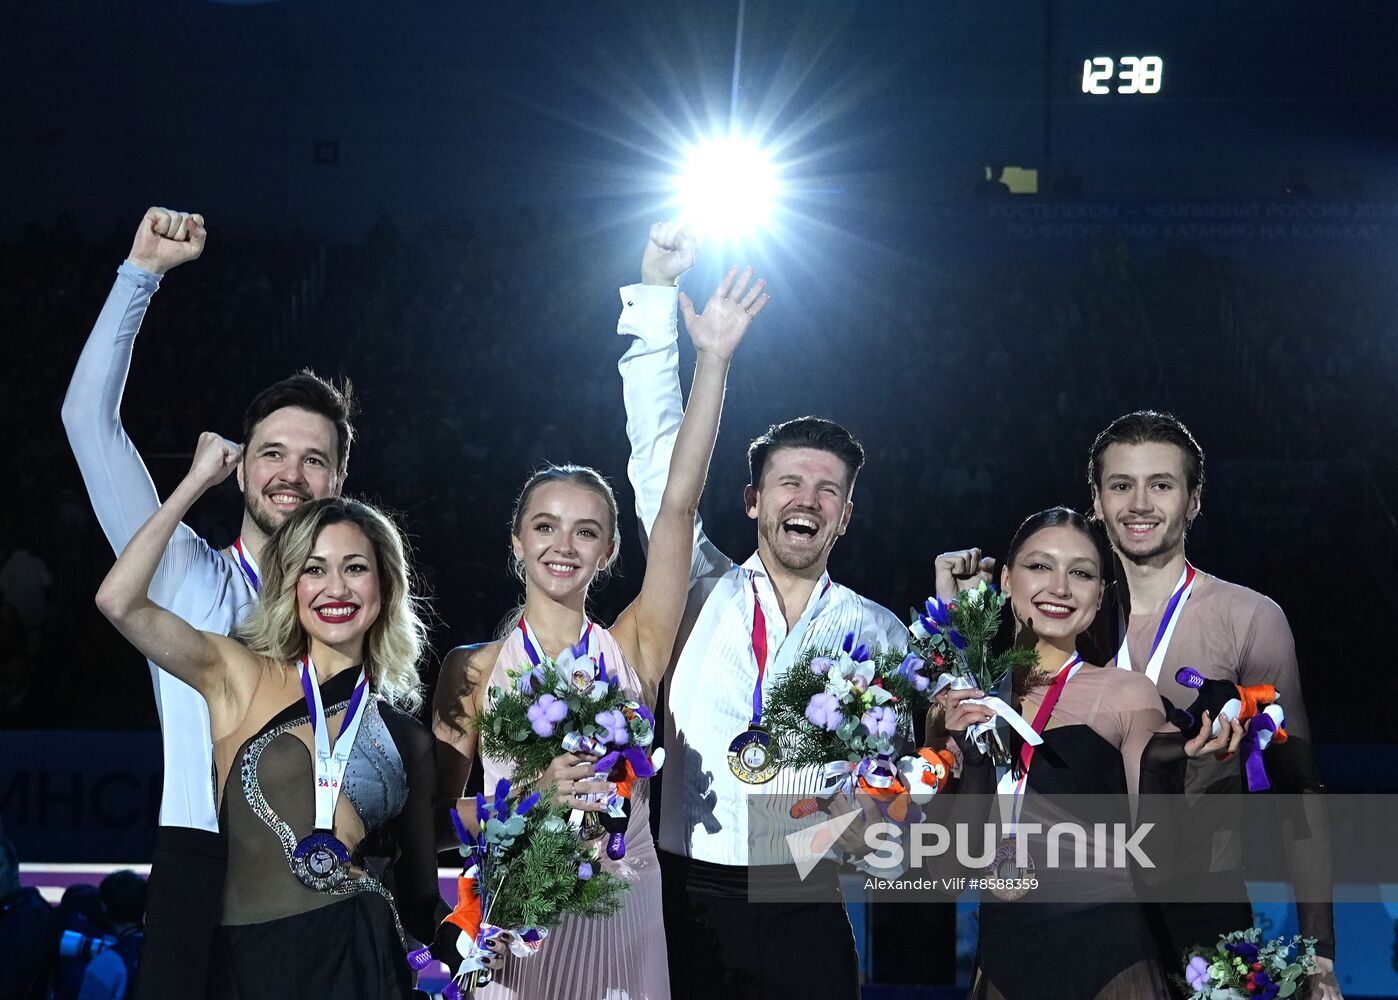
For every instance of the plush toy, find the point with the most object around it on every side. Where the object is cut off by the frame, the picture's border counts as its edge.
(914, 780)
(927, 773)
(1255, 705)
(461, 939)
(624, 768)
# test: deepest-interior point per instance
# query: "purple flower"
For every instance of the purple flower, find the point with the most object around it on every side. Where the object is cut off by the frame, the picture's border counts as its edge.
(641, 764)
(880, 721)
(858, 654)
(585, 871)
(1266, 989)
(530, 682)
(938, 619)
(545, 713)
(1196, 973)
(911, 668)
(614, 724)
(820, 665)
(502, 798)
(824, 711)
(937, 616)
(1245, 950)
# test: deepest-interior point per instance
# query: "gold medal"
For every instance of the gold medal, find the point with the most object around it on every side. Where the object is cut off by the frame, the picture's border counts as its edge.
(753, 756)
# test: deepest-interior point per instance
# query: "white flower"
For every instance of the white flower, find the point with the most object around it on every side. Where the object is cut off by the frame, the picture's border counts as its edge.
(838, 686)
(976, 597)
(598, 690)
(863, 675)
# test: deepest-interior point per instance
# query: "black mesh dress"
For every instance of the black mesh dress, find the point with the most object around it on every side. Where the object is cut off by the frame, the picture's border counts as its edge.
(281, 938)
(1090, 948)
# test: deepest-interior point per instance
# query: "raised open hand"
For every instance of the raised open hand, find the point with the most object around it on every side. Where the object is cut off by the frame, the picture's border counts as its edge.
(720, 328)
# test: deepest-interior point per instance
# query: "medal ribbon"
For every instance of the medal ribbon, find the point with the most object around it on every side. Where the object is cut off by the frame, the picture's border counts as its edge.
(759, 635)
(1173, 610)
(1008, 784)
(534, 649)
(759, 649)
(247, 564)
(330, 765)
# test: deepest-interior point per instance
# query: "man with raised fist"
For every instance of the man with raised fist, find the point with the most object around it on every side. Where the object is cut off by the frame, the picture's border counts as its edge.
(296, 441)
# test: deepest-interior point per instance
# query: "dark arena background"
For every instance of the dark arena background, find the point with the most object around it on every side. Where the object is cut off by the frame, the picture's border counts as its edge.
(988, 229)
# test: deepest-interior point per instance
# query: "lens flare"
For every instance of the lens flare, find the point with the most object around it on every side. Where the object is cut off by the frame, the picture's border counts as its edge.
(728, 188)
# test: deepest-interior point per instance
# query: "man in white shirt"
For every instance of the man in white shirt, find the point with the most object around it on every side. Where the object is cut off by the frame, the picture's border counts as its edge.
(297, 438)
(743, 627)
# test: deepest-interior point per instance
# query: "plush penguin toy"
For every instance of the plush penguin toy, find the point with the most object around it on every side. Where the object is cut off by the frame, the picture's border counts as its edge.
(1255, 705)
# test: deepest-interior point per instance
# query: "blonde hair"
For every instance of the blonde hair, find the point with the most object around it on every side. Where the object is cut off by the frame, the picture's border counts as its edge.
(585, 477)
(578, 475)
(396, 639)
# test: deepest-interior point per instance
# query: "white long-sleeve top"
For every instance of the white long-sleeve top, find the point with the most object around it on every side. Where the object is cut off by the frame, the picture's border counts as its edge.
(201, 584)
(704, 809)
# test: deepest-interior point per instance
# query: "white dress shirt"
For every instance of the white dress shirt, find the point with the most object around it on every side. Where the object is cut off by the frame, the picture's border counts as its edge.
(194, 580)
(704, 810)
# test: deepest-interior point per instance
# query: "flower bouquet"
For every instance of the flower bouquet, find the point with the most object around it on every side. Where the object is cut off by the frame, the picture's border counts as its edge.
(572, 705)
(848, 711)
(956, 637)
(524, 871)
(1243, 967)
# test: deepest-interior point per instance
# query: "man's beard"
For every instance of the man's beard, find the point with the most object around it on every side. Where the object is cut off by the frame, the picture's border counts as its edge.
(259, 516)
(795, 562)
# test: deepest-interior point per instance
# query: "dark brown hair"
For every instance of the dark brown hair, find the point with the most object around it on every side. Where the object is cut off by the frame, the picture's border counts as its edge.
(308, 391)
(806, 432)
(1094, 645)
(1148, 427)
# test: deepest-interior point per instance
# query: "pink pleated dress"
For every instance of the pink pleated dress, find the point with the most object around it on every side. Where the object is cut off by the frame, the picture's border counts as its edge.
(621, 957)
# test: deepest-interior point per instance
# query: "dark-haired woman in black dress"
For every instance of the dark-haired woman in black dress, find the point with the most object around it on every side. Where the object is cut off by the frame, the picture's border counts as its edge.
(1096, 724)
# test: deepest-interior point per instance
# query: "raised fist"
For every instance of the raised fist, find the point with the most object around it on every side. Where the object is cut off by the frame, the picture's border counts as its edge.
(961, 570)
(214, 459)
(719, 329)
(669, 253)
(167, 239)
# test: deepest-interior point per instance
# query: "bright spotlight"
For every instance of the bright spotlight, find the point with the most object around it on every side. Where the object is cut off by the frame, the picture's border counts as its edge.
(728, 188)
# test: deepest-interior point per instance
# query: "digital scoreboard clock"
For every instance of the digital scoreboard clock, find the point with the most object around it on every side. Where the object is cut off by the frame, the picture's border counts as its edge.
(1130, 74)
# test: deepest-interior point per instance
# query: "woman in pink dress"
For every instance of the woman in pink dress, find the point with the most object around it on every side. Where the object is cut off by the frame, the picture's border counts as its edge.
(564, 534)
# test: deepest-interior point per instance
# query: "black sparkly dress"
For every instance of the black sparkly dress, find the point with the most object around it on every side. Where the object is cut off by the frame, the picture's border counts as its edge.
(281, 939)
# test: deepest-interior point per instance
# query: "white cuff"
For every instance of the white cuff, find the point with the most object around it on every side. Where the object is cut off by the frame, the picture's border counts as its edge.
(648, 313)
